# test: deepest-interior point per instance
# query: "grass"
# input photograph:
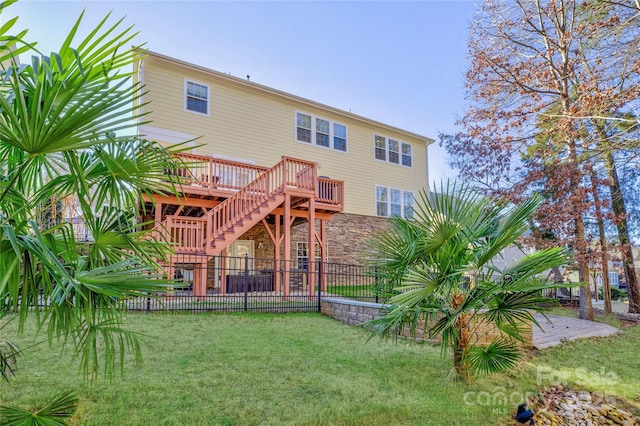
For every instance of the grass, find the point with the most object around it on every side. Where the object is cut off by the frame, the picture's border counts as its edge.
(302, 369)
(356, 292)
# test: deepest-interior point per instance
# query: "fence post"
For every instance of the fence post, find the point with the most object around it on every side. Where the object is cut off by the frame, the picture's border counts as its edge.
(320, 271)
(373, 286)
(245, 281)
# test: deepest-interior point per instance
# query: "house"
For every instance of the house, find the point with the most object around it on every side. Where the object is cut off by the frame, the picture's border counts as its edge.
(615, 270)
(265, 164)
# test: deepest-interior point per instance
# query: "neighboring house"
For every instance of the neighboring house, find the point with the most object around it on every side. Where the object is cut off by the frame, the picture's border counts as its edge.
(616, 272)
(270, 163)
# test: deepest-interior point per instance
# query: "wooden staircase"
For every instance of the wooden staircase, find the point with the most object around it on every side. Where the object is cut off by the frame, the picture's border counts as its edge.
(230, 230)
(234, 216)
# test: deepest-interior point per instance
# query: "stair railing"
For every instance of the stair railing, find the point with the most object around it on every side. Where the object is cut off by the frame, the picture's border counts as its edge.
(288, 172)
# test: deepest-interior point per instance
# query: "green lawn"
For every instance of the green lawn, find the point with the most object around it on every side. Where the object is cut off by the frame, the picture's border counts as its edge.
(302, 369)
(355, 292)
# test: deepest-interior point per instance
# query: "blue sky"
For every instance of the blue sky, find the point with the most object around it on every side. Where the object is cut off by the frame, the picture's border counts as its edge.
(401, 63)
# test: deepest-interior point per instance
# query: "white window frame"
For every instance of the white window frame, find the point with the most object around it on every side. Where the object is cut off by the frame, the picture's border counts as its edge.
(614, 279)
(302, 253)
(186, 86)
(314, 131)
(403, 204)
(401, 146)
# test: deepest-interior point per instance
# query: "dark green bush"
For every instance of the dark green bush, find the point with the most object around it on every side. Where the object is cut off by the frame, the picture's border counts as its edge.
(616, 294)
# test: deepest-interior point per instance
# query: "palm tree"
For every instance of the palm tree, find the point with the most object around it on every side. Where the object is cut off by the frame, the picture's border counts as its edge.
(67, 129)
(440, 274)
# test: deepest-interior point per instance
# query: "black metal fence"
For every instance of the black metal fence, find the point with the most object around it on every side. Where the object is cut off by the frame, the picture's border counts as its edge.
(233, 284)
(565, 296)
(228, 284)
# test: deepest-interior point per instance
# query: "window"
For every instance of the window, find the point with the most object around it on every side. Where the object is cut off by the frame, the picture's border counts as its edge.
(392, 151)
(381, 148)
(321, 132)
(196, 98)
(302, 254)
(406, 154)
(339, 137)
(407, 204)
(381, 201)
(303, 128)
(614, 279)
(394, 202)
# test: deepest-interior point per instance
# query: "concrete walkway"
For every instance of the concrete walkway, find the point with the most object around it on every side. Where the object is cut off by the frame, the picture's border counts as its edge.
(557, 330)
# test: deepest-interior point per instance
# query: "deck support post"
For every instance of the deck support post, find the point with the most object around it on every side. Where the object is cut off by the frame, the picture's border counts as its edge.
(311, 263)
(287, 245)
(323, 253)
(200, 278)
(158, 214)
(276, 253)
(223, 272)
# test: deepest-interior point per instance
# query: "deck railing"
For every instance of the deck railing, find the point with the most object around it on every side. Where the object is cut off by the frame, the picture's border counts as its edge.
(187, 232)
(330, 191)
(218, 174)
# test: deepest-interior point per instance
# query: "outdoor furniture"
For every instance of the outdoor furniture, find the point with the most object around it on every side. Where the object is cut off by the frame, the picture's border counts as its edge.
(263, 282)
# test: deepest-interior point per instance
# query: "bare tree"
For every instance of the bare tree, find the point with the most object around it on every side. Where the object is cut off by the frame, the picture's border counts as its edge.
(538, 71)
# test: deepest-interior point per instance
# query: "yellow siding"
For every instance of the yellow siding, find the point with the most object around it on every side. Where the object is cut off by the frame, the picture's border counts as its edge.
(250, 124)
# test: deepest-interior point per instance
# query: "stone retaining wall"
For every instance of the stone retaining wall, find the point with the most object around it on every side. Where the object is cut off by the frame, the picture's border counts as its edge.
(354, 313)
(350, 312)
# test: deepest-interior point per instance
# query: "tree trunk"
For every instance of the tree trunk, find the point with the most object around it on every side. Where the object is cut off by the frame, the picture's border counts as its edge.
(618, 207)
(462, 342)
(585, 310)
(461, 345)
(606, 287)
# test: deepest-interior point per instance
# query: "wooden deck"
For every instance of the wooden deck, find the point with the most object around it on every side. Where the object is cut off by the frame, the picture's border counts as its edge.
(221, 200)
(218, 179)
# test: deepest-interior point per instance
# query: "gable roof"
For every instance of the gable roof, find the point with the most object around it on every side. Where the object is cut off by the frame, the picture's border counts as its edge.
(283, 95)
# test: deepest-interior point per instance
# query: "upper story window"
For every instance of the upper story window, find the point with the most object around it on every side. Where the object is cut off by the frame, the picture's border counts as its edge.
(392, 151)
(614, 279)
(394, 202)
(196, 97)
(321, 132)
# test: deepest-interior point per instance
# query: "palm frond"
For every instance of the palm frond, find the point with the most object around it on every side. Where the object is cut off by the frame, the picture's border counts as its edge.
(500, 355)
(536, 263)
(55, 413)
(8, 356)
(509, 229)
(104, 336)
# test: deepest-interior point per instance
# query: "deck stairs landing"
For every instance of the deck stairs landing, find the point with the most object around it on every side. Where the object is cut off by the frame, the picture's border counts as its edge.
(234, 216)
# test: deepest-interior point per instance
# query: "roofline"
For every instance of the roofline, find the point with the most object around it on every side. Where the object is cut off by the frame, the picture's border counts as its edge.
(285, 95)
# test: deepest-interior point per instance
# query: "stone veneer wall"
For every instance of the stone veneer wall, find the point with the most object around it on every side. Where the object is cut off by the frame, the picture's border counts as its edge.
(347, 236)
(355, 313)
